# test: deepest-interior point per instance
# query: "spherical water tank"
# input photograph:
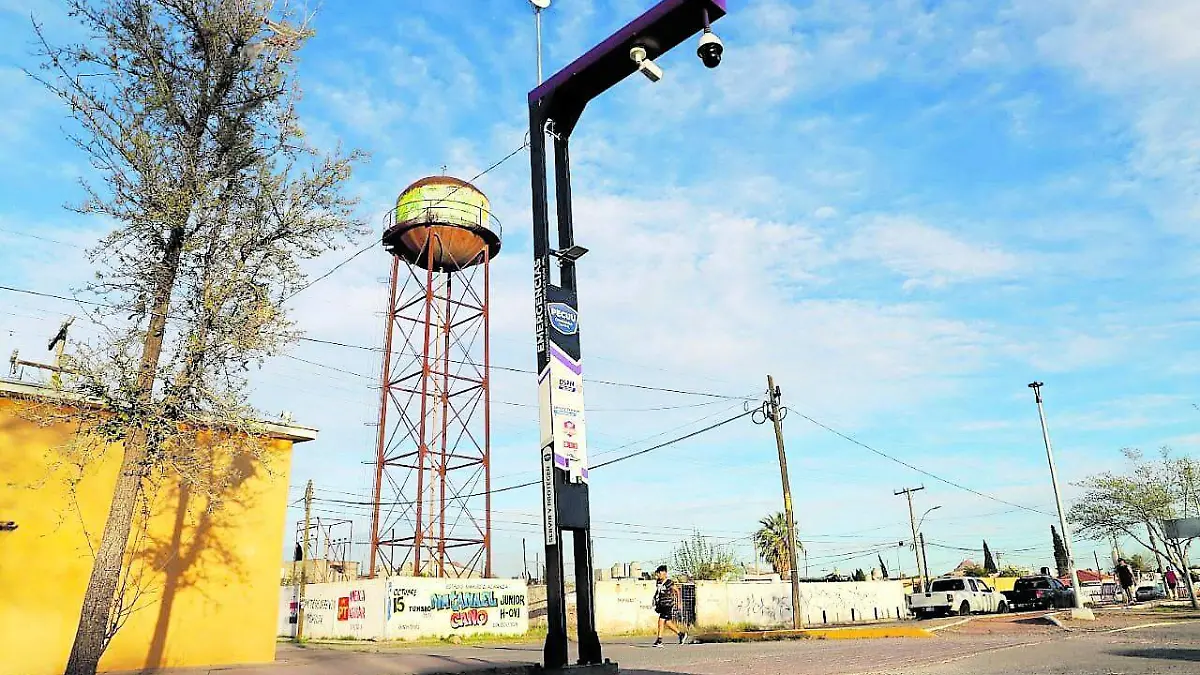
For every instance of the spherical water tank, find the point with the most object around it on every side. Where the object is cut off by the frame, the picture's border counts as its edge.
(444, 222)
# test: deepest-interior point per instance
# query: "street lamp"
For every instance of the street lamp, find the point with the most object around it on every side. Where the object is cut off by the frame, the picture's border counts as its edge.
(921, 536)
(538, 6)
(554, 110)
(922, 520)
(1079, 611)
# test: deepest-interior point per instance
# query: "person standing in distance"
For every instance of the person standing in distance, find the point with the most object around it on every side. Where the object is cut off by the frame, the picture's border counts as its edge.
(1125, 578)
(664, 606)
(1172, 580)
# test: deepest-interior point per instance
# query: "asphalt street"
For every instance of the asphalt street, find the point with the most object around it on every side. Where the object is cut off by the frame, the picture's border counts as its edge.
(1039, 650)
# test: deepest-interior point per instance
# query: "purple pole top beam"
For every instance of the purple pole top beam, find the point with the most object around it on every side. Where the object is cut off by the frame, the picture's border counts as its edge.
(661, 28)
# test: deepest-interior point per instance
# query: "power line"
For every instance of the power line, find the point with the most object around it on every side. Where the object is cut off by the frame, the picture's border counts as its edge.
(527, 371)
(538, 482)
(335, 343)
(919, 470)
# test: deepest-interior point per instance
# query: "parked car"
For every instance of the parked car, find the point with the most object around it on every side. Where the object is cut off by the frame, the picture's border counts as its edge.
(1149, 592)
(1040, 592)
(956, 595)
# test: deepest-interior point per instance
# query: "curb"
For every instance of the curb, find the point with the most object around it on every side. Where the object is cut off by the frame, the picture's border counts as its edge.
(1056, 621)
(1144, 625)
(866, 633)
(944, 626)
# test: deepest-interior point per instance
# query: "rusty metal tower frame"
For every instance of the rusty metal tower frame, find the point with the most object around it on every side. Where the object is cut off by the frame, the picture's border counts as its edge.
(431, 512)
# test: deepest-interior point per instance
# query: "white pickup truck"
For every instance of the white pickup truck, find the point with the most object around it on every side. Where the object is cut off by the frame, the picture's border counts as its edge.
(956, 595)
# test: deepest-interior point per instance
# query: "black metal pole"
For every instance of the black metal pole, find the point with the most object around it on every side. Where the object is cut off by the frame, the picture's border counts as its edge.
(555, 650)
(566, 222)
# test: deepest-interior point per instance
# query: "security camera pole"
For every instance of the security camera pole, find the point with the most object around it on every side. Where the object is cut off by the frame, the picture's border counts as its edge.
(1079, 612)
(554, 109)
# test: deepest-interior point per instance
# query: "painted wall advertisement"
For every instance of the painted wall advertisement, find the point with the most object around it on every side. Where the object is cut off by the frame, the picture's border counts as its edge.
(439, 608)
(400, 608)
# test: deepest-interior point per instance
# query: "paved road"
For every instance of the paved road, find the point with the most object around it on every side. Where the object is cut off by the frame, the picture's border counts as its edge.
(1145, 651)
(1148, 651)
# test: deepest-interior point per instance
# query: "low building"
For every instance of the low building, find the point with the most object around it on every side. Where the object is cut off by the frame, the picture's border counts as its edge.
(206, 577)
(319, 571)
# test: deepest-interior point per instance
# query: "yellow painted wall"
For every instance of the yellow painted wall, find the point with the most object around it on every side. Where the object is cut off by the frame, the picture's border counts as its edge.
(212, 578)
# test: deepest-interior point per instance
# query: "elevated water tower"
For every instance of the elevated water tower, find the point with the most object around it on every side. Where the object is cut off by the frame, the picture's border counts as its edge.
(431, 513)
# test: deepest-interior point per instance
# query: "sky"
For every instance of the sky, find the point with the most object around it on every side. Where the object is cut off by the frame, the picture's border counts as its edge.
(903, 210)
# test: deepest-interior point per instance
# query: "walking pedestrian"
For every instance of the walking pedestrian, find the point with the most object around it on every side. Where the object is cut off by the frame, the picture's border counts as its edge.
(664, 606)
(1172, 580)
(1125, 578)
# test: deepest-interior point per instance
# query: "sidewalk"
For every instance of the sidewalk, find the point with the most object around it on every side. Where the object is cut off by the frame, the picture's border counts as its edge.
(328, 659)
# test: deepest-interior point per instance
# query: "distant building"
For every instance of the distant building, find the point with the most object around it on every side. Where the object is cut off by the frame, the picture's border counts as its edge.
(320, 571)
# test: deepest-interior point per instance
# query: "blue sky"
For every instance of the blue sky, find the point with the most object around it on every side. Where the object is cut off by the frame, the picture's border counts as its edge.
(904, 210)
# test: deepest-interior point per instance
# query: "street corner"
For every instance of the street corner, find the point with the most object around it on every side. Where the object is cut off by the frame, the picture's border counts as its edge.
(1016, 624)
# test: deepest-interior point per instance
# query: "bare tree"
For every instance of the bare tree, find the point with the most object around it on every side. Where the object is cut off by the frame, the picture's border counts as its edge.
(186, 108)
(1135, 504)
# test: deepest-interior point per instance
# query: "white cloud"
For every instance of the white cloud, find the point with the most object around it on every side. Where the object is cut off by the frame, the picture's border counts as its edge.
(1145, 55)
(926, 255)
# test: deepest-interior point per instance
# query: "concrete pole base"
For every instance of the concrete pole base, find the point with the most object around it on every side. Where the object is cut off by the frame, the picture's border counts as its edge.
(1082, 614)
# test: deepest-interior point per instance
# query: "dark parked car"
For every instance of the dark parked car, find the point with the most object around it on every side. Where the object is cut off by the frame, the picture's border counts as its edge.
(1039, 592)
(1149, 592)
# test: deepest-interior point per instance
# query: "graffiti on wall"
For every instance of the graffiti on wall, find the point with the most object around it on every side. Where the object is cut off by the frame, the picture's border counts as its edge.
(766, 609)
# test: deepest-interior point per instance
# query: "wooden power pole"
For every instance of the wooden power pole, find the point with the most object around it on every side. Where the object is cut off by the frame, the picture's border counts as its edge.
(308, 498)
(773, 396)
(912, 518)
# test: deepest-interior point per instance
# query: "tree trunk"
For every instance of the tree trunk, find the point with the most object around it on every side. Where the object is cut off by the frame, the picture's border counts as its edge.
(92, 635)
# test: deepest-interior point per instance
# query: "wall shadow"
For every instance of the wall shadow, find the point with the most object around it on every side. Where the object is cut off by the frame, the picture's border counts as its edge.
(185, 557)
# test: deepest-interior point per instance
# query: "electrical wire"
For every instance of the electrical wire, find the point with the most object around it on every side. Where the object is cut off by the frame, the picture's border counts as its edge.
(668, 390)
(631, 455)
(920, 470)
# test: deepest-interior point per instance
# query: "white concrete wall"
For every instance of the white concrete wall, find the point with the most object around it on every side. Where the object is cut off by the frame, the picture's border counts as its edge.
(624, 607)
(769, 604)
(406, 608)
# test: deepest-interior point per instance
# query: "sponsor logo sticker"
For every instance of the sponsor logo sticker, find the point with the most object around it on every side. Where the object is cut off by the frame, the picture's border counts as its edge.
(563, 317)
(566, 384)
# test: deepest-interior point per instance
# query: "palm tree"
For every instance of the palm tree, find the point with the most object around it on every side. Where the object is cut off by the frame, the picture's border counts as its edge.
(771, 542)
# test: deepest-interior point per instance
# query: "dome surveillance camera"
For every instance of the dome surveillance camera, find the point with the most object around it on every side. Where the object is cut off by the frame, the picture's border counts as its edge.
(710, 49)
(648, 67)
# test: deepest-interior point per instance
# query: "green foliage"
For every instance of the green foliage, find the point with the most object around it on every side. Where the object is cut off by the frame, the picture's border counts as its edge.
(771, 542)
(701, 560)
(1135, 503)
(989, 563)
(1060, 554)
(1137, 563)
(1013, 571)
(974, 571)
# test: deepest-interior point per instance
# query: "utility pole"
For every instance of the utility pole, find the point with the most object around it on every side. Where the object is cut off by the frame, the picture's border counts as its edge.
(912, 519)
(1079, 611)
(524, 559)
(58, 345)
(774, 412)
(308, 498)
(925, 558)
